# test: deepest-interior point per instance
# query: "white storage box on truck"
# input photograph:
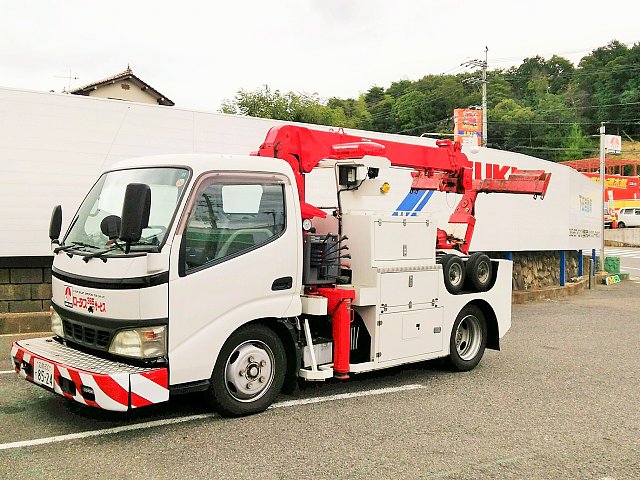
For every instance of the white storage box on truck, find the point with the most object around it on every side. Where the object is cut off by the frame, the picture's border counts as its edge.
(208, 272)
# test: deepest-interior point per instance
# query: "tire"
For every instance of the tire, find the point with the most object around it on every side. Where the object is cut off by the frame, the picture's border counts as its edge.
(479, 271)
(249, 372)
(453, 271)
(468, 339)
(621, 225)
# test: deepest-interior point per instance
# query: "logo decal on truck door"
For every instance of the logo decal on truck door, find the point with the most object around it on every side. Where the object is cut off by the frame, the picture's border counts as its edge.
(68, 296)
(91, 302)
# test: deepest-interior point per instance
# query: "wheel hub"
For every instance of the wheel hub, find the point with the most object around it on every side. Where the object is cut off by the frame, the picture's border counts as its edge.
(468, 337)
(483, 272)
(249, 371)
(455, 274)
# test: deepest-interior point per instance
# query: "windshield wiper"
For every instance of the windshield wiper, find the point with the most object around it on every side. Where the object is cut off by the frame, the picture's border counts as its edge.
(64, 248)
(115, 245)
(99, 254)
(141, 243)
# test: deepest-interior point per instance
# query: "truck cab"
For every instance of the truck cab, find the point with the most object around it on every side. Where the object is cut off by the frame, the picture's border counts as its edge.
(219, 248)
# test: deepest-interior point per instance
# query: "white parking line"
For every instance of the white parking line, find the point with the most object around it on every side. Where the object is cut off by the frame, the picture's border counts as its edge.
(620, 251)
(624, 254)
(2, 372)
(189, 418)
(344, 396)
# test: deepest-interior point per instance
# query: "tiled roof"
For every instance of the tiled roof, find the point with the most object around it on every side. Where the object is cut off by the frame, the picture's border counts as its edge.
(126, 75)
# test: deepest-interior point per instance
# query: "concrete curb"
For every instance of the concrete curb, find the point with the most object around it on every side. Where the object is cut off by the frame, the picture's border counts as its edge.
(614, 243)
(549, 293)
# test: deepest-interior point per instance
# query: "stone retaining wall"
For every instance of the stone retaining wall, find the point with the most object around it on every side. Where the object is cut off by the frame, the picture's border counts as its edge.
(25, 286)
(537, 270)
(534, 270)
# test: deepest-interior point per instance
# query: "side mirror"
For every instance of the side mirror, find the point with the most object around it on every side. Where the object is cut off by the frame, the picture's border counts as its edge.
(135, 212)
(110, 226)
(55, 225)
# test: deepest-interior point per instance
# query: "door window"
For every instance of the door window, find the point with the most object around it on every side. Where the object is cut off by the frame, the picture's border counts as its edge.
(228, 219)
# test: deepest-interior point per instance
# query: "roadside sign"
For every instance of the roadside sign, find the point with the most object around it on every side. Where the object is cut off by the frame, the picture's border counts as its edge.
(613, 143)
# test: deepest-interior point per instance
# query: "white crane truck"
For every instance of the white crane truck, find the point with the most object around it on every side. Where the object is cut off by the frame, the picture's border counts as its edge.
(201, 272)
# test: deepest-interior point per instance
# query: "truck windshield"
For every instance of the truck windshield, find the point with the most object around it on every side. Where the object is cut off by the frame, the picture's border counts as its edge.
(89, 228)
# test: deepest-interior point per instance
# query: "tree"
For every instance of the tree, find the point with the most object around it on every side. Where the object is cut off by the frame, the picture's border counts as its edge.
(547, 108)
(380, 106)
(355, 110)
(519, 77)
(510, 125)
(577, 144)
(293, 107)
(608, 87)
(559, 72)
(498, 88)
(261, 103)
(409, 112)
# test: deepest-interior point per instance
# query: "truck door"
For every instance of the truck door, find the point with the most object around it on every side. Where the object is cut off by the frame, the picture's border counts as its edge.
(235, 259)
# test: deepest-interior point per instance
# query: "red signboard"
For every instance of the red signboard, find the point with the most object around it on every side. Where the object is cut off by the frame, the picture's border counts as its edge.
(467, 125)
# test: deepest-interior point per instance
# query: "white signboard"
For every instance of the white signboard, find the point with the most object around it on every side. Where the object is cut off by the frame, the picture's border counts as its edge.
(613, 143)
(55, 146)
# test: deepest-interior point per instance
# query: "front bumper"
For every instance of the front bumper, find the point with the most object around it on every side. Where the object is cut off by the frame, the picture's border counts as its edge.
(108, 384)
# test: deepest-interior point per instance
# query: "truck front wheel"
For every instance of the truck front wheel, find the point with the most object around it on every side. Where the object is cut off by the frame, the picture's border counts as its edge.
(249, 372)
(468, 339)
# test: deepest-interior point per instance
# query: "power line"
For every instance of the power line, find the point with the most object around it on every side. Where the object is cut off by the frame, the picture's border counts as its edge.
(591, 49)
(577, 71)
(610, 122)
(419, 127)
(557, 148)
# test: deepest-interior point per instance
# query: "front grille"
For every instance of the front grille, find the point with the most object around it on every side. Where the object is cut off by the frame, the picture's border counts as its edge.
(87, 336)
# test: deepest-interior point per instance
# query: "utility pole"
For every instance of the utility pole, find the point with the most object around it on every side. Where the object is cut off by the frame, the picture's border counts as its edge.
(484, 97)
(482, 64)
(602, 192)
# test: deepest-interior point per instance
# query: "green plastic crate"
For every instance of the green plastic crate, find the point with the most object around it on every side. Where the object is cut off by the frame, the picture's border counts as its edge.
(612, 265)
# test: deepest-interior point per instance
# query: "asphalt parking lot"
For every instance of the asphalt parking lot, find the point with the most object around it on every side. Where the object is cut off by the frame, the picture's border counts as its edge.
(559, 401)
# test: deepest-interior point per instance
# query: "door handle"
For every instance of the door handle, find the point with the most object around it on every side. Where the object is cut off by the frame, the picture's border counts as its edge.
(282, 283)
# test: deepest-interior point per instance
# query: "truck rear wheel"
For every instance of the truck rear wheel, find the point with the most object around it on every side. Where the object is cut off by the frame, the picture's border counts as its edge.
(453, 271)
(249, 372)
(478, 270)
(468, 339)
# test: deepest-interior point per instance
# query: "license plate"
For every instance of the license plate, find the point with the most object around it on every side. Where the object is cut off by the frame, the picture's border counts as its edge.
(43, 372)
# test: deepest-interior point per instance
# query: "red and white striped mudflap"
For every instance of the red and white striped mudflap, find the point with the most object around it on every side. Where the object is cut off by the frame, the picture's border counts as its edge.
(119, 390)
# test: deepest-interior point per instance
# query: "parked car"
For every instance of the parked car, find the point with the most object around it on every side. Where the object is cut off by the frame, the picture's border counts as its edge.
(629, 217)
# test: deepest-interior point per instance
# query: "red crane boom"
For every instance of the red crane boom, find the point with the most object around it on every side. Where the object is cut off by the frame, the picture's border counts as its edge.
(443, 168)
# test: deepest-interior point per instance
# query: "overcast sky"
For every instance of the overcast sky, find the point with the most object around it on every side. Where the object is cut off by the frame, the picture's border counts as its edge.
(199, 53)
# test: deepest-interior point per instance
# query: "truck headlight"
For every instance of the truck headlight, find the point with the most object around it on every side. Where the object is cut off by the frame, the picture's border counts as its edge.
(56, 323)
(143, 342)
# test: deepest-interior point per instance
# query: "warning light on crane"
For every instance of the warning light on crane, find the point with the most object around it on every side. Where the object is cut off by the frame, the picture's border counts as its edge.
(341, 151)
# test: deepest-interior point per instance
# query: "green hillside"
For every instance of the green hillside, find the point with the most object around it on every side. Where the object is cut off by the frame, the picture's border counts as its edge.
(549, 108)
